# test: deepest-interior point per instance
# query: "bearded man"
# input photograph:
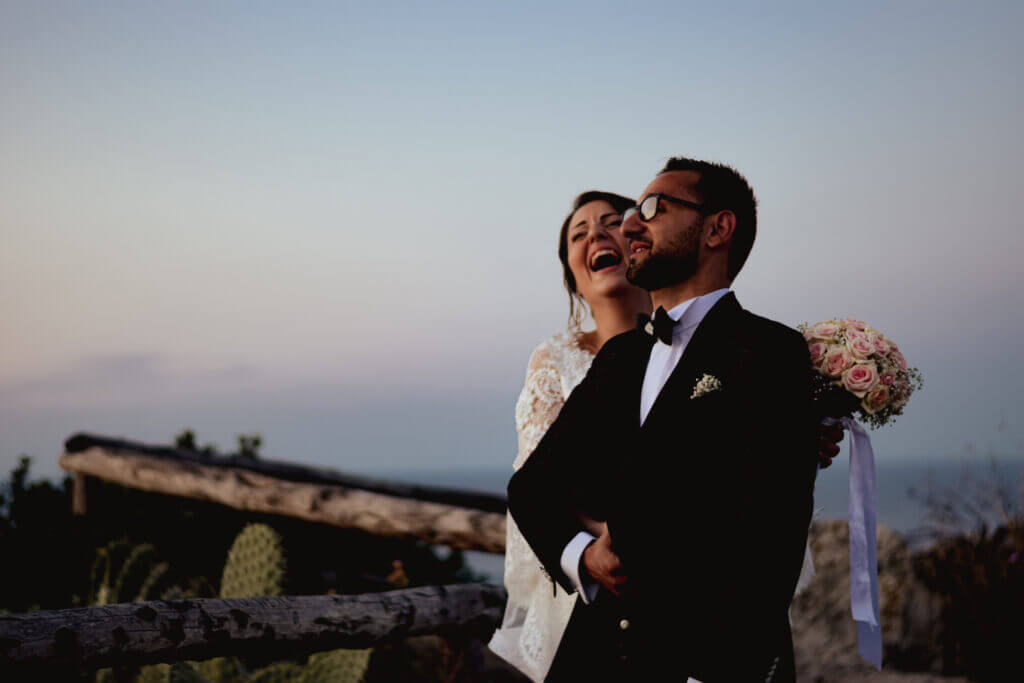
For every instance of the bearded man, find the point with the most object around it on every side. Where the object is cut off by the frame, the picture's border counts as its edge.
(694, 439)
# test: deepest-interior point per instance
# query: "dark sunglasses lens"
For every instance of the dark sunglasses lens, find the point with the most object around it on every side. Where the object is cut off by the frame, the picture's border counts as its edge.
(649, 207)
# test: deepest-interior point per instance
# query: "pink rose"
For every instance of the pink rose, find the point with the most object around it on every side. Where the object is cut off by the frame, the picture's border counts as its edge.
(837, 359)
(818, 350)
(854, 333)
(855, 324)
(880, 344)
(888, 377)
(824, 331)
(876, 399)
(897, 358)
(861, 348)
(861, 378)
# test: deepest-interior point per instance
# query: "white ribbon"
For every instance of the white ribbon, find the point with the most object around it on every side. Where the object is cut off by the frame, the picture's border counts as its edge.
(863, 542)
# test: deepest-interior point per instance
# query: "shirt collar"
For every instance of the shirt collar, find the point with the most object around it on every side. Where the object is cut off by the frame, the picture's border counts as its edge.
(689, 313)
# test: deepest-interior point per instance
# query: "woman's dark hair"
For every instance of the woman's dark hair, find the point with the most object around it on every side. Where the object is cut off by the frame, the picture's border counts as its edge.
(620, 204)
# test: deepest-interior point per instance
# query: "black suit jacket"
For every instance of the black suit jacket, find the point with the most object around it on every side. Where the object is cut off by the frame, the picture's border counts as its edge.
(708, 503)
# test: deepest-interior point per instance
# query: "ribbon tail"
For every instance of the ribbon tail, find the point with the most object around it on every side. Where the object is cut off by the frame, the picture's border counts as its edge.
(863, 544)
(869, 643)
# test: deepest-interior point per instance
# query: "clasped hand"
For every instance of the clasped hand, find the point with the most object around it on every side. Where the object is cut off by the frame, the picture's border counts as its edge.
(604, 565)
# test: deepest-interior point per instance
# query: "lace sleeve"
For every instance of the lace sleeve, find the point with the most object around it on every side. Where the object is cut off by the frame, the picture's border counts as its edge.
(538, 609)
(538, 404)
(536, 409)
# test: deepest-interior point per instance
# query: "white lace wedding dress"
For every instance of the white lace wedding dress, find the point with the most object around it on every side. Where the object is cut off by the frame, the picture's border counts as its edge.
(536, 614)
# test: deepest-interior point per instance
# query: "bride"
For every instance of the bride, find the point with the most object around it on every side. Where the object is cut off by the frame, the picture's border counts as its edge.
(593, 253)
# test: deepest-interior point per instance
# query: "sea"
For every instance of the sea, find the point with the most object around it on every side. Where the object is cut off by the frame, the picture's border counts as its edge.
(979, 486)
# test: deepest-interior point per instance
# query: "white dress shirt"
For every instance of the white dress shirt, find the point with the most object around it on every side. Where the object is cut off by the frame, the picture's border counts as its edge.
(663, 360)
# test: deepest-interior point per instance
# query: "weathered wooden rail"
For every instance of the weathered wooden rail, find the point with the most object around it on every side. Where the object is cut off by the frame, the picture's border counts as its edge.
(459, 519)
(168, 631)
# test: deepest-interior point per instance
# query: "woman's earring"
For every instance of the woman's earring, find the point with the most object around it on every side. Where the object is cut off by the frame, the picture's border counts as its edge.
(580, 311)
(575, 314)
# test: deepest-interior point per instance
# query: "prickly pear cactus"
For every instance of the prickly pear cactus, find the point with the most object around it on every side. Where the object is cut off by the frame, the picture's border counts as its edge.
(184, 672)
(337, 666)
(179, 672)
(223, 669)
(155, 673)
(281, 672)
(256, 564)
(255, 568)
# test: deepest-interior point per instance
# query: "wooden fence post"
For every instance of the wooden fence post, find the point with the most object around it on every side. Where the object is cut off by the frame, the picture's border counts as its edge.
(78, 506)
(168, 631)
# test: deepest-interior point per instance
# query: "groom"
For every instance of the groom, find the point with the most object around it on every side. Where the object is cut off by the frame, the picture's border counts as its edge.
(695, 440)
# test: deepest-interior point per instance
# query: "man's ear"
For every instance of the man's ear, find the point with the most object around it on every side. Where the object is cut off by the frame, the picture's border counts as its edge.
(719, 228)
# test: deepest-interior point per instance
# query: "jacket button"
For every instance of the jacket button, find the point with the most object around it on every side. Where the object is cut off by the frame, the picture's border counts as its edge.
(624, 624)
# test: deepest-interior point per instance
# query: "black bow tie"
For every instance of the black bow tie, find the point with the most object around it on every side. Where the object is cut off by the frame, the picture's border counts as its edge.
(663, 325)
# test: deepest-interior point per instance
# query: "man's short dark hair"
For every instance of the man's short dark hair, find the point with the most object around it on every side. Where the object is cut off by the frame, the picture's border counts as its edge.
(723, 187)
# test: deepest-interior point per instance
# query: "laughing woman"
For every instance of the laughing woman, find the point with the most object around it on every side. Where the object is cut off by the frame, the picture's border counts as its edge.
(593, 253)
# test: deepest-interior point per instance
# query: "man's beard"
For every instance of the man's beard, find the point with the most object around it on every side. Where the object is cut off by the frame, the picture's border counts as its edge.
(675, 263)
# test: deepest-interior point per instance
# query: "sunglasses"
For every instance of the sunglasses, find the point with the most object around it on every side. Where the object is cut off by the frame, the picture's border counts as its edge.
(648, 208)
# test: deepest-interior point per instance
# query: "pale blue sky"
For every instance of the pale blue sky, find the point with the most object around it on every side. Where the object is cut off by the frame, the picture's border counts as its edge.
(335, 223)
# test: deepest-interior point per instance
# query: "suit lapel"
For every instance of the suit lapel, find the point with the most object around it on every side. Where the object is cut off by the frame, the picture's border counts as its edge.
(633, 379)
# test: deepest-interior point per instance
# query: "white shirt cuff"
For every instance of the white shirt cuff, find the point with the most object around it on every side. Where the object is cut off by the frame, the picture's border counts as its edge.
(572, 557)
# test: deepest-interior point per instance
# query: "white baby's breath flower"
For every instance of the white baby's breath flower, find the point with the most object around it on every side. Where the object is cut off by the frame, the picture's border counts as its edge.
(706, 385)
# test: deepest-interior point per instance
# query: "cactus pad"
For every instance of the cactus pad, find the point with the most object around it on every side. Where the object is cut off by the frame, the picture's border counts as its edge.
(337, 666)
(281, 672)
(255, 566)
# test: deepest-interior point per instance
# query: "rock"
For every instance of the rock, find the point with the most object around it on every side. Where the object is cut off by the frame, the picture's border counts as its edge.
(824, 633)
(894, 677)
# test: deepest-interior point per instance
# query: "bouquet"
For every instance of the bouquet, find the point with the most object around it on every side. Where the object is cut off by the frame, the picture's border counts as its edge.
(859, 369)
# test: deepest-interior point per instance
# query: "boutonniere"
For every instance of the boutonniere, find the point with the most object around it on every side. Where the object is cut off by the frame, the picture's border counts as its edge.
(706, 385)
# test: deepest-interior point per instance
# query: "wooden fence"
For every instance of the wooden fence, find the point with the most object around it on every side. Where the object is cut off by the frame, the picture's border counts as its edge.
(167, 631)
(72, 640)
(460, 519)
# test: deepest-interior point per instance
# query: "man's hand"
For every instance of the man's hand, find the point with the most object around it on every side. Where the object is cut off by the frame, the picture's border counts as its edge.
(593, 527)
(604, 565)
(828, 445)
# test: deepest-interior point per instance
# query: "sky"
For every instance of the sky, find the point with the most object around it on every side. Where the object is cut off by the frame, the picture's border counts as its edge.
(335, 223)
